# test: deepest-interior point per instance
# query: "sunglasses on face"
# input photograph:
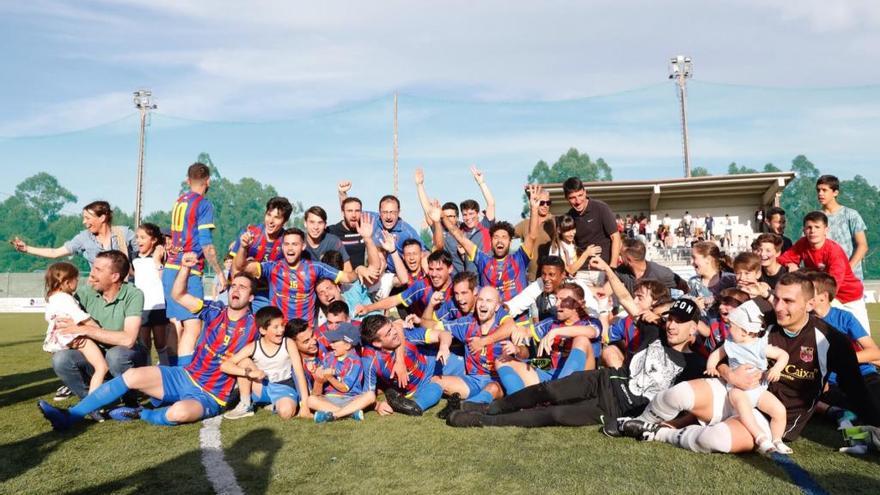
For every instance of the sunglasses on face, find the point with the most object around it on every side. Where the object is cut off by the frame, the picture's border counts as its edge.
(545, 203)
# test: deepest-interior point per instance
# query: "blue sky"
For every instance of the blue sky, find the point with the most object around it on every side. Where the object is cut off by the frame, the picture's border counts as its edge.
(298, 95)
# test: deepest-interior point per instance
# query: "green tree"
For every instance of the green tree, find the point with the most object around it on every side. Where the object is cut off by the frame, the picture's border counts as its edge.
(700, 172)
(43, 193)
(799, 196)
(734, 169)
(769, 167)
(571, 164)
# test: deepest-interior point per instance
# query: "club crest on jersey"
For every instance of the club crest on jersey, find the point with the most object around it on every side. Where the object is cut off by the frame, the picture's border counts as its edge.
(806, 354)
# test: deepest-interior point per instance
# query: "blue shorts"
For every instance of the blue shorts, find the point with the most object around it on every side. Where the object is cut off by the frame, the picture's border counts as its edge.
(476, 383)
(177, 385)
(274, 391)
(547, 375)
(454, 365)
(339, 400)
(194, 287)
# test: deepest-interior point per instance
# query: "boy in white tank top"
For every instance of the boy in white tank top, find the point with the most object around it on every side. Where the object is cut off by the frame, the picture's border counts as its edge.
(270, 370)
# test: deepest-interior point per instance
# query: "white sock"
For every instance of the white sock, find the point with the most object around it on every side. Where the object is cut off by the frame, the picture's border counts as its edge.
(696, 438)
(669, 403)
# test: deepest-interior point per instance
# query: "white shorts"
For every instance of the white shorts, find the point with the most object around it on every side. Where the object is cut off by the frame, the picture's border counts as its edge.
(858, 309)
(722, 410)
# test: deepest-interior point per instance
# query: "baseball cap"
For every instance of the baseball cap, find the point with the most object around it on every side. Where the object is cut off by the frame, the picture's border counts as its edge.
(684, 309)
(346, 332)
(747, 316)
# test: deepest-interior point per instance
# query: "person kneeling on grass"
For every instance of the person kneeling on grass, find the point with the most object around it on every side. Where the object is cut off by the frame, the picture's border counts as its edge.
(200, 389)
(269, 370)
(747, 344)
(339, 381)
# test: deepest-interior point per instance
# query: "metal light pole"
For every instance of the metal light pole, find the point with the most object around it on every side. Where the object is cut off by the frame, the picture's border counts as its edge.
(680, 69)
(395, 144)
(143, 102)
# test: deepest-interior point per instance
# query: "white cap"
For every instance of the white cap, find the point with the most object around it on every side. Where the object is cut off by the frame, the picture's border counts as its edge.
(748, 317)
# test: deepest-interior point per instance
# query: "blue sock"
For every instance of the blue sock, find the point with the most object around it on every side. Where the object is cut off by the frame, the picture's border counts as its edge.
(428, 395)
(107, 393)
(576, 361)
(172, 360)
(156, 417)
(510, 380)
(184, 360)
(484, 397)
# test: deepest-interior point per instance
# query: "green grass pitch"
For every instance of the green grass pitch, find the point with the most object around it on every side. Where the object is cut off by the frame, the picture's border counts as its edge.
(380, 455)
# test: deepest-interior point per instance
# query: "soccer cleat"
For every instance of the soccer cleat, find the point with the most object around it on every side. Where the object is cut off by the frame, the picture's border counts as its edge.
(453, 403)
(358, 416)
(401, 404)
(612, 428)
(63, 393)
(323, 416)
(640, 430)
(242, 410)
(465, 419)
(125, 413)
(59, 418)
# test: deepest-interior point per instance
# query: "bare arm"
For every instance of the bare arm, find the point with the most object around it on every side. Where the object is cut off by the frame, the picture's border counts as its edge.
(623, 296)
(51, 253)
(211, 257)
(616, 243)
(487, 194)
(531, 237)
(232, 366)
(342, 189)
(423, 196)
(178, 291)
(870, 353)
(366, 229)
(459, 236)
(299, 376)
(860, 248)
(714, 358)
(433, 216)
(781, 358)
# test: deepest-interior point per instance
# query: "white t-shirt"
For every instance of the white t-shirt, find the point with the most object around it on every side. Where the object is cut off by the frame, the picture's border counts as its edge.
(148, 278)
(61, 304)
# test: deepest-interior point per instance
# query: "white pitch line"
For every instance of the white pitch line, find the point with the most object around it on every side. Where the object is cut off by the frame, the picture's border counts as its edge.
(219, 473)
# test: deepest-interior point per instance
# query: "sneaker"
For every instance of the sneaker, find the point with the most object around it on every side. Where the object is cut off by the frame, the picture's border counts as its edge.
(465, 419)
(478, 407)
(781, 448)
(323, 416)
(242, 410)
(358, 416)
(59, 418)
(453, 403)
(401, 404)
(63, 393)
(640, 430)
(125, 413)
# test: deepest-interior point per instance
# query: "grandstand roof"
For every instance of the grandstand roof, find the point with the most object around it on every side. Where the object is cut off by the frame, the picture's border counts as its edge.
(753, 190)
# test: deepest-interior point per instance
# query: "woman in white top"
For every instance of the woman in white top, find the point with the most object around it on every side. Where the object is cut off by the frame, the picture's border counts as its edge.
(148, 278)
(564, 247)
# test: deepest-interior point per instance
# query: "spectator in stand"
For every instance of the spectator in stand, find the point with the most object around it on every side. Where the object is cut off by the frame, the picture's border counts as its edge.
(759, 220)
(594, 220)
(818, 252)
(775, 221)
(99, 235)
(710, 224)
(845, 225)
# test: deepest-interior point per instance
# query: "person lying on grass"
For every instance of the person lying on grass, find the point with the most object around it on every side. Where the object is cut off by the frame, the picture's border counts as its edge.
(197, 391)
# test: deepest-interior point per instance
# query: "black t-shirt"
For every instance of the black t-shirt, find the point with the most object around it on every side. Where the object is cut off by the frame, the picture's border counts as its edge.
(594, 226)
(815, 351)
(353, 242)
(771, 280)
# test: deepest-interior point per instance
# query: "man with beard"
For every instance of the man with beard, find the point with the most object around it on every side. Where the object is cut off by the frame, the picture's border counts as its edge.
(267, 242)
(196, 391)
(347, 230)
(506, 271)
(542, 293)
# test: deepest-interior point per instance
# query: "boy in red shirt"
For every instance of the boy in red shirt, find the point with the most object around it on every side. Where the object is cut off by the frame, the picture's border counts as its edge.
(818, 252)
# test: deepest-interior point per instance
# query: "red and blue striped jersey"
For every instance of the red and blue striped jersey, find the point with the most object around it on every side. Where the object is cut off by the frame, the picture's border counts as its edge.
(508, 274)
(562, 345)
(292, 289)
(466, 328)
(192, 219)
(348, 370)
(219, 340)
(379, 363)
(718, 332)
(625, 330)
(479, 235)
(417, 296)
(310, 365)
(262, 249)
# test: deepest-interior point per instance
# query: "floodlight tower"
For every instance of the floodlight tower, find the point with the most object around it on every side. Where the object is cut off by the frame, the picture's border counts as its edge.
(680, 69)
(143, 102)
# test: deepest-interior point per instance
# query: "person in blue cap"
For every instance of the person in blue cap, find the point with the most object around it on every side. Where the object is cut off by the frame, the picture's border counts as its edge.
(339, 381)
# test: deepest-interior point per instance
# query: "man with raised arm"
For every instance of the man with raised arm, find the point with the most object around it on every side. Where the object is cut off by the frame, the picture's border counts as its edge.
(196, 391)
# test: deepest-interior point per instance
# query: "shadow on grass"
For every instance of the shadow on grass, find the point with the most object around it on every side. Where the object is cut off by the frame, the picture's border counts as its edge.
(255, 453)
(22, 456)
(823, 432)
(9, 382)
(854, 483)
(20, 342)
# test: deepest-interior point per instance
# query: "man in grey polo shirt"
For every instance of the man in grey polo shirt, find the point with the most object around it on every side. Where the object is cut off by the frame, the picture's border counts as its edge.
(115, 306)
